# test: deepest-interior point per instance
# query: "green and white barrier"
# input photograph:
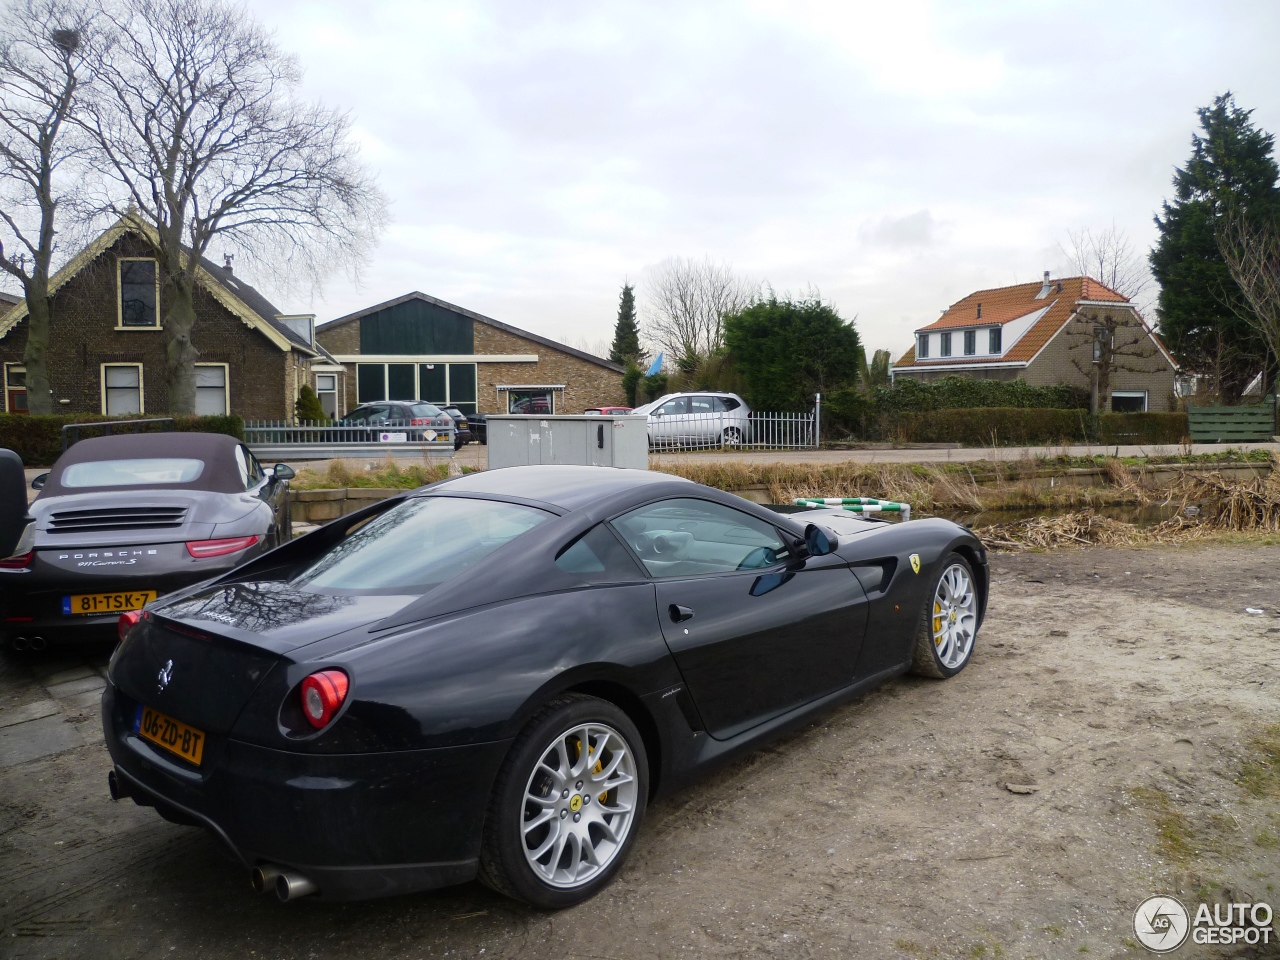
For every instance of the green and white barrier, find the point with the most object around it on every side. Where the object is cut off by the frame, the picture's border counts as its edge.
(858, 505)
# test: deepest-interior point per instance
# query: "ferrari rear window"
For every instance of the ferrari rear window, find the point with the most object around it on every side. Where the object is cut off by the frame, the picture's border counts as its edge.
(419, 544)
(132, 473)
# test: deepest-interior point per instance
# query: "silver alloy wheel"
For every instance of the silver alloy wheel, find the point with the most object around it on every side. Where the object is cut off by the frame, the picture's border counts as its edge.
(578, 805)
(955, 617)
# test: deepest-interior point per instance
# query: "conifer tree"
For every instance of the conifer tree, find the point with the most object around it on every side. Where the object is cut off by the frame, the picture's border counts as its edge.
(626, 333)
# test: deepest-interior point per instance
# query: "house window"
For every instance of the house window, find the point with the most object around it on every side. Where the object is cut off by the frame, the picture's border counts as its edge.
(922, 350)
(946, 344)
(211, 390)
(970, 342)
(327, 391)
(444, 384)
(531, 401)
(1129, 401)
(15, 388)
(993, 345)
(139, 294)
(121, 389)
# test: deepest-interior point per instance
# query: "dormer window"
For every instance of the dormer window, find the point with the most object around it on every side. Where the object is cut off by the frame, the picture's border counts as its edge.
(922, 348)
(139, 286)
(993, 345)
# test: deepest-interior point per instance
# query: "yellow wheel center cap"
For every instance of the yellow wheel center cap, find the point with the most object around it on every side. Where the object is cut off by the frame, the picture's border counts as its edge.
(953, 616)
(576, 803)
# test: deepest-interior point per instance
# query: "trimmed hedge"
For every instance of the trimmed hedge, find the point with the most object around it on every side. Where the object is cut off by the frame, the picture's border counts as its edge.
(1163, 428)
(38, 439)
(956, 393)
(988, 426)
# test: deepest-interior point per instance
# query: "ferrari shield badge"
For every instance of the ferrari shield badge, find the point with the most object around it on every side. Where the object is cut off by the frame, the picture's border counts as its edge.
(915, 562)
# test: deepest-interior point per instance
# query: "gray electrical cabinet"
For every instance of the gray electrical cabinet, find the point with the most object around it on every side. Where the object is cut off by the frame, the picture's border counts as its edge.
(611, 441)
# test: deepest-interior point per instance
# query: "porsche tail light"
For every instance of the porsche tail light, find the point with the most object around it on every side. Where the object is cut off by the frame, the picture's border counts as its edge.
(322, 695)
(201, 549)
(20, 562)
(127, 622)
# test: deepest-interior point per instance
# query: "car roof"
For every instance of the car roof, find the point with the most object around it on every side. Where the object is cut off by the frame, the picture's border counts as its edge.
(567, 487)
(220, 474)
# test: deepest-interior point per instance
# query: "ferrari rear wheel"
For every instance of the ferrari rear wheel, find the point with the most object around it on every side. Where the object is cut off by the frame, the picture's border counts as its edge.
(567, 804)
(949, 621)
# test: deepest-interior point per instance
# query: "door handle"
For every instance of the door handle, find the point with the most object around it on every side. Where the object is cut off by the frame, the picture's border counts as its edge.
(679, 614)
(600, 436)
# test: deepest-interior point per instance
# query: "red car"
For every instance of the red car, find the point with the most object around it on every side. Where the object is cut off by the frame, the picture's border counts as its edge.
(608, 411)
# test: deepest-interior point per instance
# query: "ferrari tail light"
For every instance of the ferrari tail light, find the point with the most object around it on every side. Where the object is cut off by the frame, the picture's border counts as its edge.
(127, 622)
(20, 562)
(201, 549)
(322, 695)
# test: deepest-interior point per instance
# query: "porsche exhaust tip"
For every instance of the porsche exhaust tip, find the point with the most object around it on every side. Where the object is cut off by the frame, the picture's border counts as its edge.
(264, 877)
(292, 886)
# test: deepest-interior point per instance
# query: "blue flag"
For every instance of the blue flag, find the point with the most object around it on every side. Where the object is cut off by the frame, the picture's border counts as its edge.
(655, 368)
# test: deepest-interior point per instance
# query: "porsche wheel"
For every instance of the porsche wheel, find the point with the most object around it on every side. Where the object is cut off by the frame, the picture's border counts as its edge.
(566, 805)
(949, 622)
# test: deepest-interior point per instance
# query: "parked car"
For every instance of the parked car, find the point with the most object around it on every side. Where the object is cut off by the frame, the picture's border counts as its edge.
(479, 425)
(461, 426)
(607, 411)
(418, 421)
(701, 419)
(532, 405)
(491, 676)
(123, 519)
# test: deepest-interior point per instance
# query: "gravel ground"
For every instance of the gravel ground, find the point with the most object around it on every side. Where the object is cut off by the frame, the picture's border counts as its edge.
(1118, 692)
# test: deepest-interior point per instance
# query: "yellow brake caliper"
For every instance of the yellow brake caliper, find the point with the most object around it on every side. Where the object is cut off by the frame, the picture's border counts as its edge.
(937, 623)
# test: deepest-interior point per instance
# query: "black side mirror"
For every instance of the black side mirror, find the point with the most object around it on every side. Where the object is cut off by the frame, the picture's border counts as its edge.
(38, 482)
(13, 502)
(282, 471)
(820, 541)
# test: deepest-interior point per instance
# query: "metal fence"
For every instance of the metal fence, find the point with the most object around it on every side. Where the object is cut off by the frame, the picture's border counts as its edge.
(326, 440)
(727, 431)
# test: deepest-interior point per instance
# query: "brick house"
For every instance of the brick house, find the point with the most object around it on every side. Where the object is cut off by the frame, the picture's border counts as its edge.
(1045, 333)
(107, 349)
(417, 347)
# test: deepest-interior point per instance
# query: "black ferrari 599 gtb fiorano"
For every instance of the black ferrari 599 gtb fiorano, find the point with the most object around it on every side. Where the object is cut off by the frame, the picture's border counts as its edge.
(352, 724)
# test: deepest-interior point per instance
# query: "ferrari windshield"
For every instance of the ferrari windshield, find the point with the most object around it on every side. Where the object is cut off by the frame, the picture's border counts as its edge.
(419, 544)
(132, 473)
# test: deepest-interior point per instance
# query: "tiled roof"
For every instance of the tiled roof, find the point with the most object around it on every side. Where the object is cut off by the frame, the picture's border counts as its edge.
(1004, 304)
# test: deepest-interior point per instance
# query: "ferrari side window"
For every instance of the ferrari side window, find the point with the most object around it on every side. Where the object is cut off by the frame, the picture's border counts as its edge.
(598, 557)
(686, 537)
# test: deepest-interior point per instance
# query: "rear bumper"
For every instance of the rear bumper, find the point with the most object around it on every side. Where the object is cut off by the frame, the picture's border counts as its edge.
(357, 825)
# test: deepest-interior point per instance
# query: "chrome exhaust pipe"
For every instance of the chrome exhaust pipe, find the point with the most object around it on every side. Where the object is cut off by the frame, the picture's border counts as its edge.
(264, 877)
(291, 886)
(38, 643)
(19, 643)
(117, 787)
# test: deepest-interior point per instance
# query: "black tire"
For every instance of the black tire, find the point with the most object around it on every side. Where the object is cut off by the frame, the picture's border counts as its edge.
(925, 661)
(503, 864)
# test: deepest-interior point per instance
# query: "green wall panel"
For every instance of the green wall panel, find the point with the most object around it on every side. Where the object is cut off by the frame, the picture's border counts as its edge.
(370, 385)
(400, 382)
(431, 382)
(462, 383)
(416, 327)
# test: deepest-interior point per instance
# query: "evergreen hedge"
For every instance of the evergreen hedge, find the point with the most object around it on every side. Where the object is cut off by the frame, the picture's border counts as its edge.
(38, 439)
(947, 393)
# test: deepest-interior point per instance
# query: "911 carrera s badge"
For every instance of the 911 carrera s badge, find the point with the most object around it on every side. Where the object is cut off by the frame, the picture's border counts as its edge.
(164, 676)
(915, 562)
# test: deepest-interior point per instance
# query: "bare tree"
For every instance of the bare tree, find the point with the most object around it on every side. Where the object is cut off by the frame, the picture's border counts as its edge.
(201, 131)
(1102, 343)
(687, 302)
(1251, 248)
(1110, 257)
(45, 46)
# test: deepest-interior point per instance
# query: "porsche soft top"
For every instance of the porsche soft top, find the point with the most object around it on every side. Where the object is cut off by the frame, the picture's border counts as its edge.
(215, 452)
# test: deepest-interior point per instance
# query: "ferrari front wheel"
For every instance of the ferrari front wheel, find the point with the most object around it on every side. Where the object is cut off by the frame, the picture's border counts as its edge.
(566, 805)
(949, 621)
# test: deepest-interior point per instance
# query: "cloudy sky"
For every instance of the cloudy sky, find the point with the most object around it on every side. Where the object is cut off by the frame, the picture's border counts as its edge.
(896, 156)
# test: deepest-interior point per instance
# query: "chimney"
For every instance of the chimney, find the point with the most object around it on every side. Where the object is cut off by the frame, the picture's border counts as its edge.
(1046, 288)
(979, 311)
(228, 257)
